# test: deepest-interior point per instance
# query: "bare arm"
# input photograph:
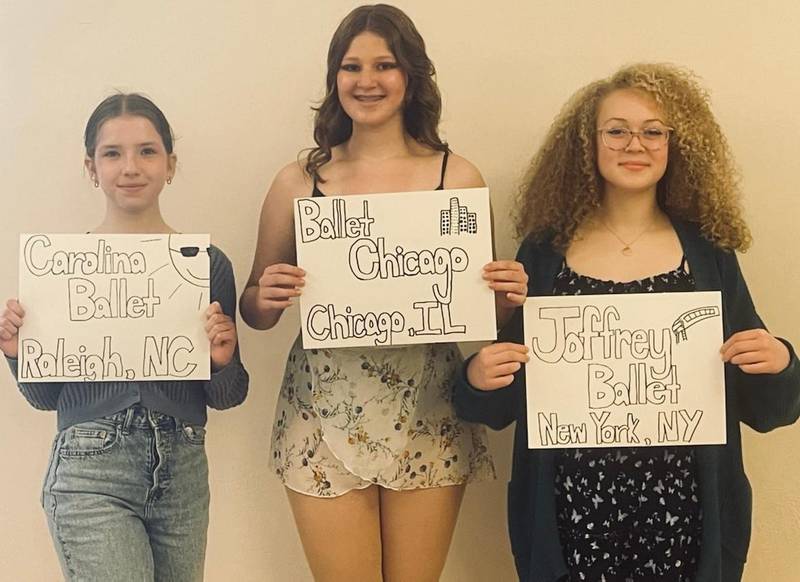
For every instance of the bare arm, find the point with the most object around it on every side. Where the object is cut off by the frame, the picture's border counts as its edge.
(275, 279)
(506, 278)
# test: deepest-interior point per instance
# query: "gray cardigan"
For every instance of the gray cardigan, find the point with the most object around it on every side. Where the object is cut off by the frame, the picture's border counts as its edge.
(81, 401)
(762, 401)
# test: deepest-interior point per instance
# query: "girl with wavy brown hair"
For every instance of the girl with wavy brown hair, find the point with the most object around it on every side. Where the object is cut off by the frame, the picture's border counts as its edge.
(366, 441)
(634, 191)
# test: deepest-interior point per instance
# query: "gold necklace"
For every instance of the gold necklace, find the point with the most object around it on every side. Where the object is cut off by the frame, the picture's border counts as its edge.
(626, 245)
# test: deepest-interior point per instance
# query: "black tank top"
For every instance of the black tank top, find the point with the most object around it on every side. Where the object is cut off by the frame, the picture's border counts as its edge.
(317, 192)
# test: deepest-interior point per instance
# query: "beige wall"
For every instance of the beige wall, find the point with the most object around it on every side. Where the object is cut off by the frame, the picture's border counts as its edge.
(236, 80)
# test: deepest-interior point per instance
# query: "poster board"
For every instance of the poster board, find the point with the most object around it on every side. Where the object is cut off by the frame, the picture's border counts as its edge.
(396, 268)
(113, 307)
(625, 370)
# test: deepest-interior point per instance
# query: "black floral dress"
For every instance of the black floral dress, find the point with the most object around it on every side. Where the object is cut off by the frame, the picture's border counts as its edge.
(628, 513)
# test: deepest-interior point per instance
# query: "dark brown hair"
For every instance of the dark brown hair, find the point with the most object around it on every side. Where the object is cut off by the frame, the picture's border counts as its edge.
(423, 103)
(126, 104)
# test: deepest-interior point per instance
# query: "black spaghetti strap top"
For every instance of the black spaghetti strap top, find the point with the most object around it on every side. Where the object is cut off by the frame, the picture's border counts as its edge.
(316, 192)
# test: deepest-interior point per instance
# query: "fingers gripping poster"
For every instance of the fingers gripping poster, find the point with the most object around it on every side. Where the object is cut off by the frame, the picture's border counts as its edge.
(625, 370)
(113, 307)
(391, 269)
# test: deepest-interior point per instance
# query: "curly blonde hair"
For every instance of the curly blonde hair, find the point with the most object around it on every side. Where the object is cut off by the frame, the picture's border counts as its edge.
(563, 186)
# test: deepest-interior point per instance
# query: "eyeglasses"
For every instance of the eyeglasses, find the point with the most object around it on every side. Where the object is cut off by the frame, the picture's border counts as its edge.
(619, 138)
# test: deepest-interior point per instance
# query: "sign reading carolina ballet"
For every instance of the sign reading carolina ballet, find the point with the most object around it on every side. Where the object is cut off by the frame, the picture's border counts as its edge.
(113, 307)
(625, 370)
(390, 269)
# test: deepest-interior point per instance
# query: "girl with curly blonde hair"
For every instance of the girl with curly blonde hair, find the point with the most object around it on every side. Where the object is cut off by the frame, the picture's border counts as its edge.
(634, 191)
(563, 186)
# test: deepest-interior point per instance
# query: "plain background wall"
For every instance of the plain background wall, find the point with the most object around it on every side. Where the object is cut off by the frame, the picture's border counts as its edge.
(236, 79)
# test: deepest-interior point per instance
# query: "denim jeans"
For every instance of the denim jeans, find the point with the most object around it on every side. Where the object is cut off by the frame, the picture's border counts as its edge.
(126, 498)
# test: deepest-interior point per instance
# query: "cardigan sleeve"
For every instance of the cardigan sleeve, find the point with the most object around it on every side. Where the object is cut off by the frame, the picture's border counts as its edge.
(494, 408)
(498, 408)
(228, 386)
(765, 401)
(40, 395)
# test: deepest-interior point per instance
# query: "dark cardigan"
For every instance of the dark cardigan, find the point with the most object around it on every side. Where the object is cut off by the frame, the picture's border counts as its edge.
(762, 401)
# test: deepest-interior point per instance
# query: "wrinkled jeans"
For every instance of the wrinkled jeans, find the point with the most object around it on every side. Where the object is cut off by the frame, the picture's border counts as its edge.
(126, 498)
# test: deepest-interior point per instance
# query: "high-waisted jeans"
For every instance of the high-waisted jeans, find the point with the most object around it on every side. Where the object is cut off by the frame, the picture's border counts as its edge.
(126, 498)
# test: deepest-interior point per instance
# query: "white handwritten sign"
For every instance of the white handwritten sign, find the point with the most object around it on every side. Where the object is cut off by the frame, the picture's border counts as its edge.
(625, 370)
(389, 269)
(113, 307)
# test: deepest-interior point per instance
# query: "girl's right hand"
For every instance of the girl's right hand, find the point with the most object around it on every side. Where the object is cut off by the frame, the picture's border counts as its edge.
(278, 284)
(10, 322)
(494, 366)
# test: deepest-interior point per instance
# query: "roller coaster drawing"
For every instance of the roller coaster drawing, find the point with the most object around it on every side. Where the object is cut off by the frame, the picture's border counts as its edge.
(691, 317)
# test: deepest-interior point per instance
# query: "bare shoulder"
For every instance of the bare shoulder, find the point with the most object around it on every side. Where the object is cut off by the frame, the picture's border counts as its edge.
(461, 173)
(291, 181)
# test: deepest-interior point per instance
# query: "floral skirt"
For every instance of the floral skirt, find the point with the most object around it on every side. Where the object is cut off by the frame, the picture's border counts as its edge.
(350, 417)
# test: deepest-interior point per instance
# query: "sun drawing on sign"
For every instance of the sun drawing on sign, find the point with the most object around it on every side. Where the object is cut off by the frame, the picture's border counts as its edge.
(187, 264)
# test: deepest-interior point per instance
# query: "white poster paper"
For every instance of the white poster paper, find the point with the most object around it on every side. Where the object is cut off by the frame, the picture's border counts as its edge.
(113, 307)
(625, 370)
(391, 269)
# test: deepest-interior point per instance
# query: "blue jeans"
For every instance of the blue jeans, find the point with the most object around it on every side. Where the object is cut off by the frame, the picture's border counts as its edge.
(126, 498)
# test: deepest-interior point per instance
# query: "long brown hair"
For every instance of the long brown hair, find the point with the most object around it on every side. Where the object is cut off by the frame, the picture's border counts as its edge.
(563, 187)
(423, 103)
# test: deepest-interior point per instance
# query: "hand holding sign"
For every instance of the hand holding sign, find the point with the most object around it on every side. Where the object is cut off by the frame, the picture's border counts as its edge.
(391, 269)
(278, 284)
(509, 282)
(755, 351)
(494, 366)
(222, 335)
(630, 369)
(10, 322)
(114, 307)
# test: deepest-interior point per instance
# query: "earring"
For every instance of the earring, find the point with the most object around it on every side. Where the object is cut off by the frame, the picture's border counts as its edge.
(96, 183)
(169, 180)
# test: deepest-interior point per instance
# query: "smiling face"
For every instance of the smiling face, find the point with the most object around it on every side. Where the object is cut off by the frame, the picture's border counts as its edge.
(189, 258)
(370, 84)
(130, 163)
(634, 168)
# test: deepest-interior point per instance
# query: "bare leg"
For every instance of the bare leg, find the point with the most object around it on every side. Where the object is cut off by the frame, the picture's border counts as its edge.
(416, 528)
(341, 535)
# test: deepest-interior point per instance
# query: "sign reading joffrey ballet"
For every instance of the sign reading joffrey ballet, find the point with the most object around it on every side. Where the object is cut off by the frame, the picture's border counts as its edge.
(113, 307)
(625, 370)
(390, 269)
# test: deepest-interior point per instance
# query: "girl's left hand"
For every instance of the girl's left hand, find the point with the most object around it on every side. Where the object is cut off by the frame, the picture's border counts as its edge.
(755, 351)
(509, 282)
(221, 333)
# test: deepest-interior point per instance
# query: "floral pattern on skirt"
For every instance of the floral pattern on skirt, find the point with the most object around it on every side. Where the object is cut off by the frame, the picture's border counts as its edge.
(350, 417)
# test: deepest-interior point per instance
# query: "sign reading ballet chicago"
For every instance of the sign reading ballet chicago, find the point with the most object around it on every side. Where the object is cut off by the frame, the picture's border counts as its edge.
(625, 370)
(113, 307)
(391, 269)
